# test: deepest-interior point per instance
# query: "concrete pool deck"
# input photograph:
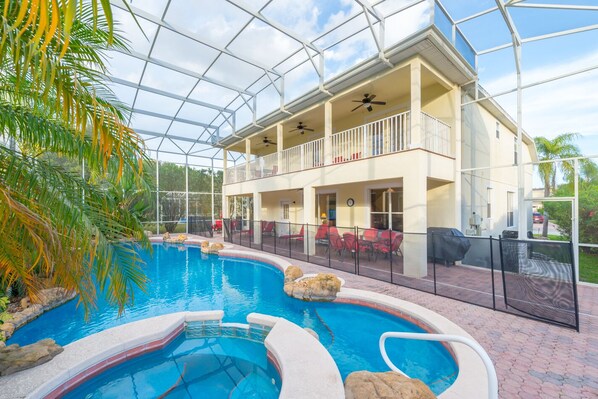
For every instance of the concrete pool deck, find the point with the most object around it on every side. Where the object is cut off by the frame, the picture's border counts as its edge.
(532, 359)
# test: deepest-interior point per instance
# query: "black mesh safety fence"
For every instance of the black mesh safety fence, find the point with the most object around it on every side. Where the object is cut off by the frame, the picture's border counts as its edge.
(201, 225)
(539, 280)
(529, 278)
(465, 268)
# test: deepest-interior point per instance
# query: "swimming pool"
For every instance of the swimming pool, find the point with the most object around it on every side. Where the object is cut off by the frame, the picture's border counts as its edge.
(181, 278)
(190, 367)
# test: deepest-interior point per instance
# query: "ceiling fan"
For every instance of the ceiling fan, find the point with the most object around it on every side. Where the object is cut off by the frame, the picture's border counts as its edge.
(367, 102)
(302, 128)
(266, 141)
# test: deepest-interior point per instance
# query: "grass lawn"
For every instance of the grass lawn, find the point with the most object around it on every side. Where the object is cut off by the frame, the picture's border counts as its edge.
(588, 267)
(588, 263)
(180, 228)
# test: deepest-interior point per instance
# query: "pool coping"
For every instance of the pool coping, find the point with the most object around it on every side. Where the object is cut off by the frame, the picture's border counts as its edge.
(472, 380)
(292, 350)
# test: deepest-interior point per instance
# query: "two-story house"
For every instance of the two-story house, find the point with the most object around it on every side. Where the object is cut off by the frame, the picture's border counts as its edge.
(383, 147)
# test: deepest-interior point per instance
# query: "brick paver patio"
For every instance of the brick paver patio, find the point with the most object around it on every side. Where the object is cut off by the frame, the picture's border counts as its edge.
(532, 359)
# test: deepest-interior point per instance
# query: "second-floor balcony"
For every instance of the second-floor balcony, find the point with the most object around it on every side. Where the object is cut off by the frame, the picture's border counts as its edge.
(381, 137)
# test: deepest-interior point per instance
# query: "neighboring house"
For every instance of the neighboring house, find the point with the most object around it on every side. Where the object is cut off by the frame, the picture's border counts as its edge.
(396, 165)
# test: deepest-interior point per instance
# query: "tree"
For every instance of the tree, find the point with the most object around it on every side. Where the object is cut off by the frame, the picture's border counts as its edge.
(56, 223)
(172, 198)
(562, 146)
(560, 212)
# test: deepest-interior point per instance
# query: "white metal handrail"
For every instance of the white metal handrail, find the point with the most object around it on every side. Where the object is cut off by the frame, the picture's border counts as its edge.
(490, 370)
(436, 135)
(380, 137)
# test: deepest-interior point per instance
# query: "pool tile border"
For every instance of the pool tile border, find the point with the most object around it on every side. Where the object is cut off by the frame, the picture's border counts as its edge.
(291, 350)
(112, 361)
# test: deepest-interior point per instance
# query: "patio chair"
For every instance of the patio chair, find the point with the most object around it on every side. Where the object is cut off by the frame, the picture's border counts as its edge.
(267, 228)
(370, 235)
(336, 243)
(352, 245)
(292, 236)
(385, 247)
(322, 234)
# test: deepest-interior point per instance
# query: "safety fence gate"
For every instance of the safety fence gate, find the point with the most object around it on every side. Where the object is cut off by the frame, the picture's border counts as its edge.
(528, 278)
(539, 280)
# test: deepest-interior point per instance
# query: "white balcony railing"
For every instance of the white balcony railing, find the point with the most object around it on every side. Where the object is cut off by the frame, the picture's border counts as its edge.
(264, 166)
(381, 137)
(235, 174)
(436, 135)
(376, 138)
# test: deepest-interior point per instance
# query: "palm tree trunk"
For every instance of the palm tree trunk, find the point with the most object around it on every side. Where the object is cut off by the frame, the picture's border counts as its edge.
(545, 222)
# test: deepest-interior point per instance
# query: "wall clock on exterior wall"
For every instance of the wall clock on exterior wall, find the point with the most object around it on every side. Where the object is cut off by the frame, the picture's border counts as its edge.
(350, 202)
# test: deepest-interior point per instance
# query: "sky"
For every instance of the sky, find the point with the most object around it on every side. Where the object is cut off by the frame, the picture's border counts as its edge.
(566, 105)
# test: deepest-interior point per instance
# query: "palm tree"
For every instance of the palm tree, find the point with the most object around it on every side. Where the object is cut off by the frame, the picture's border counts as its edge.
(56, 224)
(562, 146)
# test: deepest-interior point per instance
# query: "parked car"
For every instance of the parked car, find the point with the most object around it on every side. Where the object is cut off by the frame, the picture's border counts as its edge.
(538, 217)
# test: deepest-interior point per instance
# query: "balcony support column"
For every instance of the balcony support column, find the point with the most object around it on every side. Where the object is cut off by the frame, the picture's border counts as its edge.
(247, 158)
(327, 133)
(416, 105)
(456, 150)
(224, 167)
(415, 219)
(309, 210)
(257, 217)
(279, 148)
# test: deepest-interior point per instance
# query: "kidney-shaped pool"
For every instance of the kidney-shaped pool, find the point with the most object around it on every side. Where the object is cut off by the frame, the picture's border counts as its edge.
(184, 279)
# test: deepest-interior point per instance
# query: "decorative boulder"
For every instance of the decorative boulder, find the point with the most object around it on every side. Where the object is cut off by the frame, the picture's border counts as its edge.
(148, 233)
(292, 273)
(8, 328)
(368, 385)
(180, 239)
(205, 244)
(321, 288)
(25, 303)
(212, 248)
(14, 358)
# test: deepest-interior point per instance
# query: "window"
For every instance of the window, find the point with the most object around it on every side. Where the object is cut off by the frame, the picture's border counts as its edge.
(515, 151)
(497, 130)
(286, 207)
(510, 213)
(489, 203)
(326, 206)
(385, 214)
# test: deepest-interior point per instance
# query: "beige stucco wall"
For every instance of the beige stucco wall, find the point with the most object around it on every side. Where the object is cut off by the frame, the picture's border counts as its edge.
(481, 148)
(441, 213)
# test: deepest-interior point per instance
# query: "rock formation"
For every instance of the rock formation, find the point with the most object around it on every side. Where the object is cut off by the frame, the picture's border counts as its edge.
(180, 239)
(368, 385)
(212, 248)
(321, 288)
(292, 273)
(14, 358)
(49, 298)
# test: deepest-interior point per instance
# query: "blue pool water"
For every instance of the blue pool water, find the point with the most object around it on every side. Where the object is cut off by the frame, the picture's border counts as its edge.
(221, 367)
(181, 278)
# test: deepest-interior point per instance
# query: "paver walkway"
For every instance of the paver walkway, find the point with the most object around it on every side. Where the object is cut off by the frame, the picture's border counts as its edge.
(532, 359)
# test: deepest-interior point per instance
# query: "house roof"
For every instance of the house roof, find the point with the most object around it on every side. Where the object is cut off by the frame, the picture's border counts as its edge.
(201, 72)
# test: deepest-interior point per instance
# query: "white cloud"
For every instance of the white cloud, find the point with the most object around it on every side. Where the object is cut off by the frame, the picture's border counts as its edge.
(566, 105)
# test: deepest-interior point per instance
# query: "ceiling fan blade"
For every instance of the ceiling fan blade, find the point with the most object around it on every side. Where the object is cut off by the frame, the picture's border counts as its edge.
(292, 130)
(357, 101)
(360, 105)
(372, 96)
(308, 129)
(273, 143)
(378, 102)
